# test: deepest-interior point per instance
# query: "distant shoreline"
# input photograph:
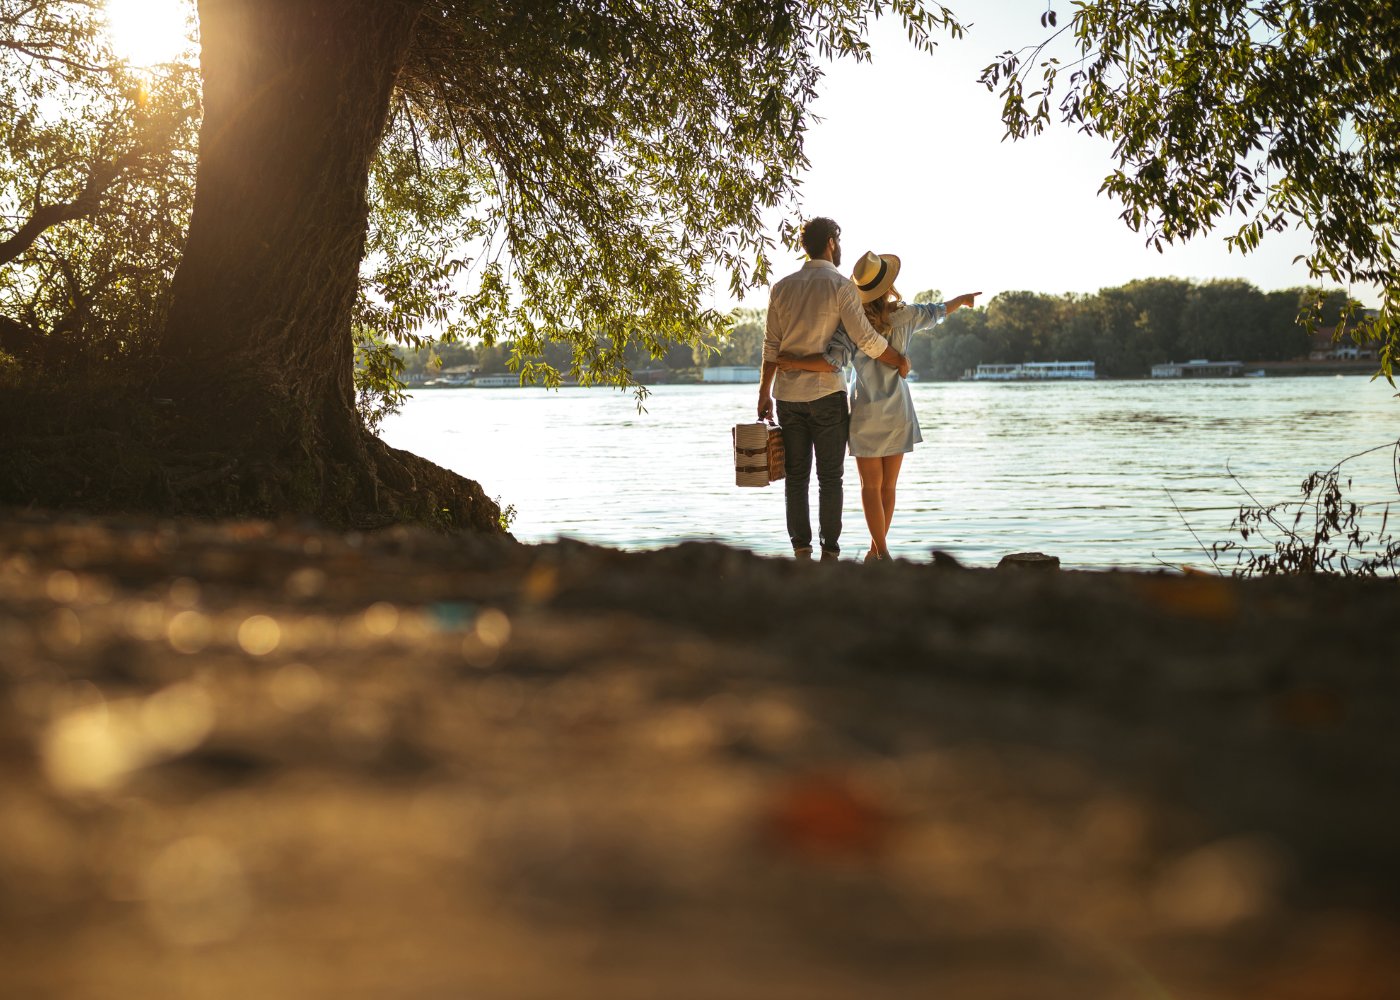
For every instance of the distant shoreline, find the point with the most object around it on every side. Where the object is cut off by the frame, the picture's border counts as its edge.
(1275, 369)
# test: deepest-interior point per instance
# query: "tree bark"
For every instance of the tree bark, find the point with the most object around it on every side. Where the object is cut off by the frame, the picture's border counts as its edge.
(296, 96)
(258, 350)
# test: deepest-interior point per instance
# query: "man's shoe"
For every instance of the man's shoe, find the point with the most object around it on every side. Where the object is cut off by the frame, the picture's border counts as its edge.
(830, 556)
(802, 554)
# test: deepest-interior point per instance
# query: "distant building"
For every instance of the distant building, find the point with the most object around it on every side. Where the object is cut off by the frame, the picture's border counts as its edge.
(457, 375)
(733, 373)
(1198, 368)
(1326, 346)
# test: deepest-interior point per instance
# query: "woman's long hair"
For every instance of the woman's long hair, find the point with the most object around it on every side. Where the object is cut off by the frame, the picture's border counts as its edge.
(879, 311)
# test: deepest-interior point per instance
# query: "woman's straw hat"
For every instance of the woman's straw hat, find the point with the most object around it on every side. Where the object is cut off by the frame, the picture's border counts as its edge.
(874, 276)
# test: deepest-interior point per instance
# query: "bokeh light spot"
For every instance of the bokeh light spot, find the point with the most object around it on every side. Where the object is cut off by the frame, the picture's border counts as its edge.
(259, 635)
(296, 688)
(62, 587)
(89, 750)
(94, 747)
(306, 582)
(177, 719)
(381, 619)
(188, 632)
(493, 628)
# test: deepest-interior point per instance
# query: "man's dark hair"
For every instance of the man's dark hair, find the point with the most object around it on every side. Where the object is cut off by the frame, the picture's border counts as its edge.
(815, 233)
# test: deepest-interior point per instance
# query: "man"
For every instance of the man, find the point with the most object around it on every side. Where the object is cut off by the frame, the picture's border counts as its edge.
(803, 310)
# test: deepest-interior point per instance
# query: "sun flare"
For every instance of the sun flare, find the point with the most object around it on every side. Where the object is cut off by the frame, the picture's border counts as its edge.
(148, 32)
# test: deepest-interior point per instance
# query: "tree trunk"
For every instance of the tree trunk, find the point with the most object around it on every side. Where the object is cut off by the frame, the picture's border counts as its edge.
(258, 350)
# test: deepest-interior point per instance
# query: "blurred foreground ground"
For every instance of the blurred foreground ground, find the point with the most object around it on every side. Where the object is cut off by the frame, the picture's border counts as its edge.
(252, 760)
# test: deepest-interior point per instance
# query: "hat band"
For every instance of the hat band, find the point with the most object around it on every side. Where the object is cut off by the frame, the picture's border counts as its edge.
(879, 277)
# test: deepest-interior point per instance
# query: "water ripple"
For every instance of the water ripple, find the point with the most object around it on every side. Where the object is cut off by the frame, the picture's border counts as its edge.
(1079, 470)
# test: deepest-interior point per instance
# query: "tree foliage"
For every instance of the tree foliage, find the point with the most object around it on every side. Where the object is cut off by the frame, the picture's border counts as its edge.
(96, 180)
(1279, 113)
(566, 174)
(586, 182)
(578, 176)
(1127, 329)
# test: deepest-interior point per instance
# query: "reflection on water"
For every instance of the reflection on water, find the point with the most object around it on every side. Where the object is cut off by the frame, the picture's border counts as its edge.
(1080, 470)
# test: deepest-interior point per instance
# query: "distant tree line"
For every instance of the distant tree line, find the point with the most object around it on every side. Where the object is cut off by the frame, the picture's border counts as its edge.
(435, 359)
(1128, 329)
(1123, 330)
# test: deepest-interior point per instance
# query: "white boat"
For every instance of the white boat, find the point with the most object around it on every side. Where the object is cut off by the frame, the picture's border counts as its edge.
(1033, 371)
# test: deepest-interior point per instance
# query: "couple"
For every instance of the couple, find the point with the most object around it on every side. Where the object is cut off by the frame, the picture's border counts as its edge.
(818, 323)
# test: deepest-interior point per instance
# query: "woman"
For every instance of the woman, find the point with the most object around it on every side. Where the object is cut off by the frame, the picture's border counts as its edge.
(883, 423)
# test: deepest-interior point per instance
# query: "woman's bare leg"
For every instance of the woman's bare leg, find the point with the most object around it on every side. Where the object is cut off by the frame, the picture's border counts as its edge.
(890, 466)
(872, 478)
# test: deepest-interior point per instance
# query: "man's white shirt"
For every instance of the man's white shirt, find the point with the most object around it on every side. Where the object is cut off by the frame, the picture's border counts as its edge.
(803, 310)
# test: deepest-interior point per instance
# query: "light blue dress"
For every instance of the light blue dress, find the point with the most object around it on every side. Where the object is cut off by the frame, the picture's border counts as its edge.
(883, 421)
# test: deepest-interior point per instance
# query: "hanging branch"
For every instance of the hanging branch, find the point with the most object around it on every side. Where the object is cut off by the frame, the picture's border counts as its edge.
(44, 217)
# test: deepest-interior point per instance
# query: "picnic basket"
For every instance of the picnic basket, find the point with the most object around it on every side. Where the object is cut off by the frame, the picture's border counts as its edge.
(758, 454)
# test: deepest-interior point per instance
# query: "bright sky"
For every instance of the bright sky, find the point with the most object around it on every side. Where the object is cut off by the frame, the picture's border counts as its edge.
(910, 160)
(148, 32)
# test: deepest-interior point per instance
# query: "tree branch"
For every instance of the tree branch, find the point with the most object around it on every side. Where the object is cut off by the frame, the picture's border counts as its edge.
(47, 216)
(49, 57)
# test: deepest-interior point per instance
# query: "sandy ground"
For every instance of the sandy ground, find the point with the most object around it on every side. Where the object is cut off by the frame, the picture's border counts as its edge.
(254, 760)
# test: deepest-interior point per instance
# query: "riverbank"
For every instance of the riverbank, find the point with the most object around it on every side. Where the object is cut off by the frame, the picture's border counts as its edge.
(1317, 368)
(249, 759)
(508, 380)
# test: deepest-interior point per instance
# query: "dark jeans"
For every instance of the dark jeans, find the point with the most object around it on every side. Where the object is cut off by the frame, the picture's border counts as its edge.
(819, 427)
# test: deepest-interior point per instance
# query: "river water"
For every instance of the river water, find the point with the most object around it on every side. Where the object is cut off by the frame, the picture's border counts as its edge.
(1087, 471)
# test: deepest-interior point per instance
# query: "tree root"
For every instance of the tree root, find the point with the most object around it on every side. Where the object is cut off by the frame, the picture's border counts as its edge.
(108, 449)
